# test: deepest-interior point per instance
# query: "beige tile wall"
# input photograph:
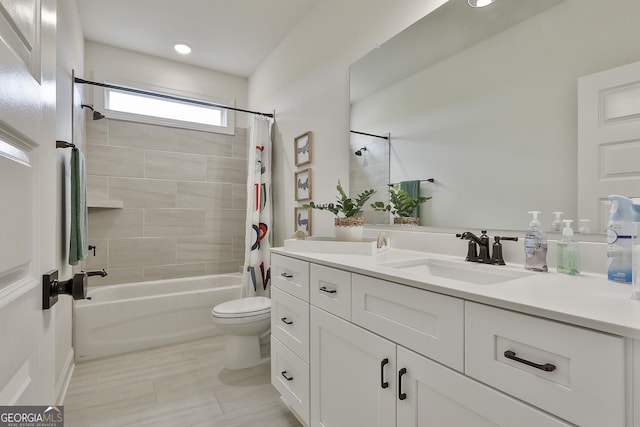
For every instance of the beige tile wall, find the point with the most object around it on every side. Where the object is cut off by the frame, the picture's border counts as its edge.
(184, 198)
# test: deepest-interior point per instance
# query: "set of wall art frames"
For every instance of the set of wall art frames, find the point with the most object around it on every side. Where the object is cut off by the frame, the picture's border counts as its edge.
(302, 177)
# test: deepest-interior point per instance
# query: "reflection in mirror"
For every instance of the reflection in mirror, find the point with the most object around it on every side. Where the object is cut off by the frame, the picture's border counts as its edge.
(485, 101)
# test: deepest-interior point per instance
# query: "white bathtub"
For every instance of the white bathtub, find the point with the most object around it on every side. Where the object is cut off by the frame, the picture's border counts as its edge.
(136, 316)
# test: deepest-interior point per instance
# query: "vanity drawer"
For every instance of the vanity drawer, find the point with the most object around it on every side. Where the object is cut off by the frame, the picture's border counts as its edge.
(290, 275)
(290, 322)
(574, 373)
(426, 322)
(330, 290)
(290, 376)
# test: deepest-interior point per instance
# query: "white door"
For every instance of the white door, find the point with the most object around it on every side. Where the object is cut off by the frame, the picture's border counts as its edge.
(353, 379)
(436, 396)
(27, 198)
(608, 140)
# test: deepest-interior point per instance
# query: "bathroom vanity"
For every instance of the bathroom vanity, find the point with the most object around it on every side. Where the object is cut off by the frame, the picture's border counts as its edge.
(404, 336)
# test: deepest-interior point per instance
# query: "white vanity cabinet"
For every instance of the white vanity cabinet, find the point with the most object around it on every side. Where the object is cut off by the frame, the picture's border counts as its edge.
(385, 354)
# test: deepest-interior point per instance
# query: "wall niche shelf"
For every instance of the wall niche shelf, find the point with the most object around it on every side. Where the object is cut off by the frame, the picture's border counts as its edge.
(108, 204)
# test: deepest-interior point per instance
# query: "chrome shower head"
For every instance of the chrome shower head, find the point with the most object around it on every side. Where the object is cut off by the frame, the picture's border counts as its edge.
(97, 115)
(359, 152)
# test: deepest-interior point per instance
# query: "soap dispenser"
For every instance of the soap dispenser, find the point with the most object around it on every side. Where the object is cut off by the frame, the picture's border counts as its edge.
(619, 230)
(568, 252)
(556, 225)
(535, 246)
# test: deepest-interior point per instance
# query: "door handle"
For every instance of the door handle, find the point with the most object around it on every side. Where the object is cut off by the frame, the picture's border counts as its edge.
(286, 377)
(287, 321)
(547, 367)
(383, 383)
(287, 275)
(401, 395)
(328, 291)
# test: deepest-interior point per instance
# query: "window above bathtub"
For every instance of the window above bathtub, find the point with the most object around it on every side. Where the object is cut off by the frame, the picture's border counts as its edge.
(146, 108)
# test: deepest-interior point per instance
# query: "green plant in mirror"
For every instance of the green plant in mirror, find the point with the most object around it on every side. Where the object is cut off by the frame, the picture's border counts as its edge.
(345, 205)
(400, 203)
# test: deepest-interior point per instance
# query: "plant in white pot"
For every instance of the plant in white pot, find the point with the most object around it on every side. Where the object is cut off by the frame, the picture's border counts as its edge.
(401, 205)
(349, 226)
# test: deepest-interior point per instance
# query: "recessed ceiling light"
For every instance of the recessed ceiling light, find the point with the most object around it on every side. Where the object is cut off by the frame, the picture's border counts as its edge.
(182, 48)
(480, 3)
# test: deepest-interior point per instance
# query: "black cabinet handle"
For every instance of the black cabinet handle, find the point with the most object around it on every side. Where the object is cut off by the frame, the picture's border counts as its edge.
(383, 383)
(286, 377)
(327, 290)
(287, 321)
(287, 275)
(401, 395)
(547, 367)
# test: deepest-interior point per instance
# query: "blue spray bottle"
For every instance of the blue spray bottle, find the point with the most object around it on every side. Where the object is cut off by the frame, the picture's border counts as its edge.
(619, 227)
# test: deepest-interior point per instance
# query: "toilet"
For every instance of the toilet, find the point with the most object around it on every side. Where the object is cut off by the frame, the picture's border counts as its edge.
(245, 321)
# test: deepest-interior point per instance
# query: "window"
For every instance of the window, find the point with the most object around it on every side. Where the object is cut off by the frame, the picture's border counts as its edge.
(125, 105)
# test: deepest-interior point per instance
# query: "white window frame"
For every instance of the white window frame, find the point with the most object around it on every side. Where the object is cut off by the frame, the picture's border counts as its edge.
(101, 95)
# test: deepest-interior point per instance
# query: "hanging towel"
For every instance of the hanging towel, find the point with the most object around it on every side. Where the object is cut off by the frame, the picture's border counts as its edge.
(78, 246)
(413, 190)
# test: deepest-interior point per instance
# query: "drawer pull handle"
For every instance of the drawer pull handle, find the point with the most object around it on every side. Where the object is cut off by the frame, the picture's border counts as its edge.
(286, 321)
(383, 383)
(547, 367)
(287, 275)
(401, 395)
(327, 290)
(286, 377)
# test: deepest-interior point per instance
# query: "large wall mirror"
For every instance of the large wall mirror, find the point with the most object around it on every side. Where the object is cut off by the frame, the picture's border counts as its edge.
(485, 102)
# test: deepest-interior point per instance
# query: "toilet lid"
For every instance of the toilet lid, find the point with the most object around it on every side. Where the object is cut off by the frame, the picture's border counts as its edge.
(243, 307)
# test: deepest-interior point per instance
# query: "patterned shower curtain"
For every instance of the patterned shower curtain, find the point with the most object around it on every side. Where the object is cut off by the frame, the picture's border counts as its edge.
(257, 265)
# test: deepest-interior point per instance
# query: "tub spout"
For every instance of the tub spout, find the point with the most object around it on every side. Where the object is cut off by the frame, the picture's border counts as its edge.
(100, 273)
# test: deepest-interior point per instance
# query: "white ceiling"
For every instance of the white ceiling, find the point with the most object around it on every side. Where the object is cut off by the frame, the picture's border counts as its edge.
(233, 36)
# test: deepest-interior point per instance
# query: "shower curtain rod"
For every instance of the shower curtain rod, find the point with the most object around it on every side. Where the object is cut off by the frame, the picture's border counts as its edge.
(171, 97)
(369, 134)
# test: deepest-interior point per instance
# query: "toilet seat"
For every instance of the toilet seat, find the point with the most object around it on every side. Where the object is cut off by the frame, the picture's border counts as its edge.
(242, 307)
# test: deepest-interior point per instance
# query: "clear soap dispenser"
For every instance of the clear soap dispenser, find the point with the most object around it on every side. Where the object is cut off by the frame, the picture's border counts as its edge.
(556, 225)
(535, 246)
(568, 251)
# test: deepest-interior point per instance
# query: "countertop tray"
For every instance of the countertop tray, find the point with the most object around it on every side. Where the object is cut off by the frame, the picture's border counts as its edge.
(327, 244)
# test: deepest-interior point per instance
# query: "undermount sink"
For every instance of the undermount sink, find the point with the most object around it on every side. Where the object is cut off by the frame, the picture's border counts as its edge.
(478, 274)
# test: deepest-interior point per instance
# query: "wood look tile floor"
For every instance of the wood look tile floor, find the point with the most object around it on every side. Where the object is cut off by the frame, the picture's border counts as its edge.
(176, 386)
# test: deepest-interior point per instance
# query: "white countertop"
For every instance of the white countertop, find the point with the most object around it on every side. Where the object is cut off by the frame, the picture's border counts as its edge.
(589, 300)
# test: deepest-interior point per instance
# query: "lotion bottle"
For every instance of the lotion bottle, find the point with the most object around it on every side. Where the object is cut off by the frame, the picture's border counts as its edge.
(568, 252)
(619, 229)
(535, 246)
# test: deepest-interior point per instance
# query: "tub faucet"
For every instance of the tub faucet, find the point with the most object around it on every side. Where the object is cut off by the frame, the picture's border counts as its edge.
(100, 273)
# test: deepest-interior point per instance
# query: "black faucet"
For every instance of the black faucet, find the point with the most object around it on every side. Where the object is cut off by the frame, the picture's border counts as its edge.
(100, 273)
(478, 249)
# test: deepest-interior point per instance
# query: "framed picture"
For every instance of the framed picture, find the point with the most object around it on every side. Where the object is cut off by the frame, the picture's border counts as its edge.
(302, 148)
(303, 184)
(302, 220)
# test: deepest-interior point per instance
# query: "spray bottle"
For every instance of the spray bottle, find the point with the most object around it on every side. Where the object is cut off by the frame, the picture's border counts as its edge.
(535, 246)
(619, 229)
(568, 252)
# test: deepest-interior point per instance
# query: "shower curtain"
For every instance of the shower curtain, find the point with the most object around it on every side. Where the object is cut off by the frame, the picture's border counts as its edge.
(257, 265)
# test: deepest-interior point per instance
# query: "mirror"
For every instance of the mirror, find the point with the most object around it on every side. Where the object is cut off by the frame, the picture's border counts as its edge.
(484, 101)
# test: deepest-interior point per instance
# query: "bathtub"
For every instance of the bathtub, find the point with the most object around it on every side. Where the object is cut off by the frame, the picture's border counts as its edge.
(136, 316)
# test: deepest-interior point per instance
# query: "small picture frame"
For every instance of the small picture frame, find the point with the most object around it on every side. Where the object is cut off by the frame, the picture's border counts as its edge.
(302, 183)
(302, 220)
(302, 147)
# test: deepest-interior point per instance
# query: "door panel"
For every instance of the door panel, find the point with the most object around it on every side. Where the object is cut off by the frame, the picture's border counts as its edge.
(608, 140)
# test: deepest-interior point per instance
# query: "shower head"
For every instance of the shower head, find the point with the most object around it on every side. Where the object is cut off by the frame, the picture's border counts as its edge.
(97, 115)
(359, 152)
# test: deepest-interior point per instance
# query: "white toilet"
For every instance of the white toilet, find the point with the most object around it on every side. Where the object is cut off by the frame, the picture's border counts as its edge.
(245, 321)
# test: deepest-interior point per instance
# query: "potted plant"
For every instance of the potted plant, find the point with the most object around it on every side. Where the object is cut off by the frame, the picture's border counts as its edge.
(350, 225)
(401, 205)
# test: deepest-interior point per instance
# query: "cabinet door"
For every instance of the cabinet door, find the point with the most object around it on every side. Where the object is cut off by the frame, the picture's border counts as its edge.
(349, 369)
(432, 395)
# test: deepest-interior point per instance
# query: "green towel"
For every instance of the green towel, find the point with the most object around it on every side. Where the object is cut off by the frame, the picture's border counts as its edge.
(413, 190)
(78, 246)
